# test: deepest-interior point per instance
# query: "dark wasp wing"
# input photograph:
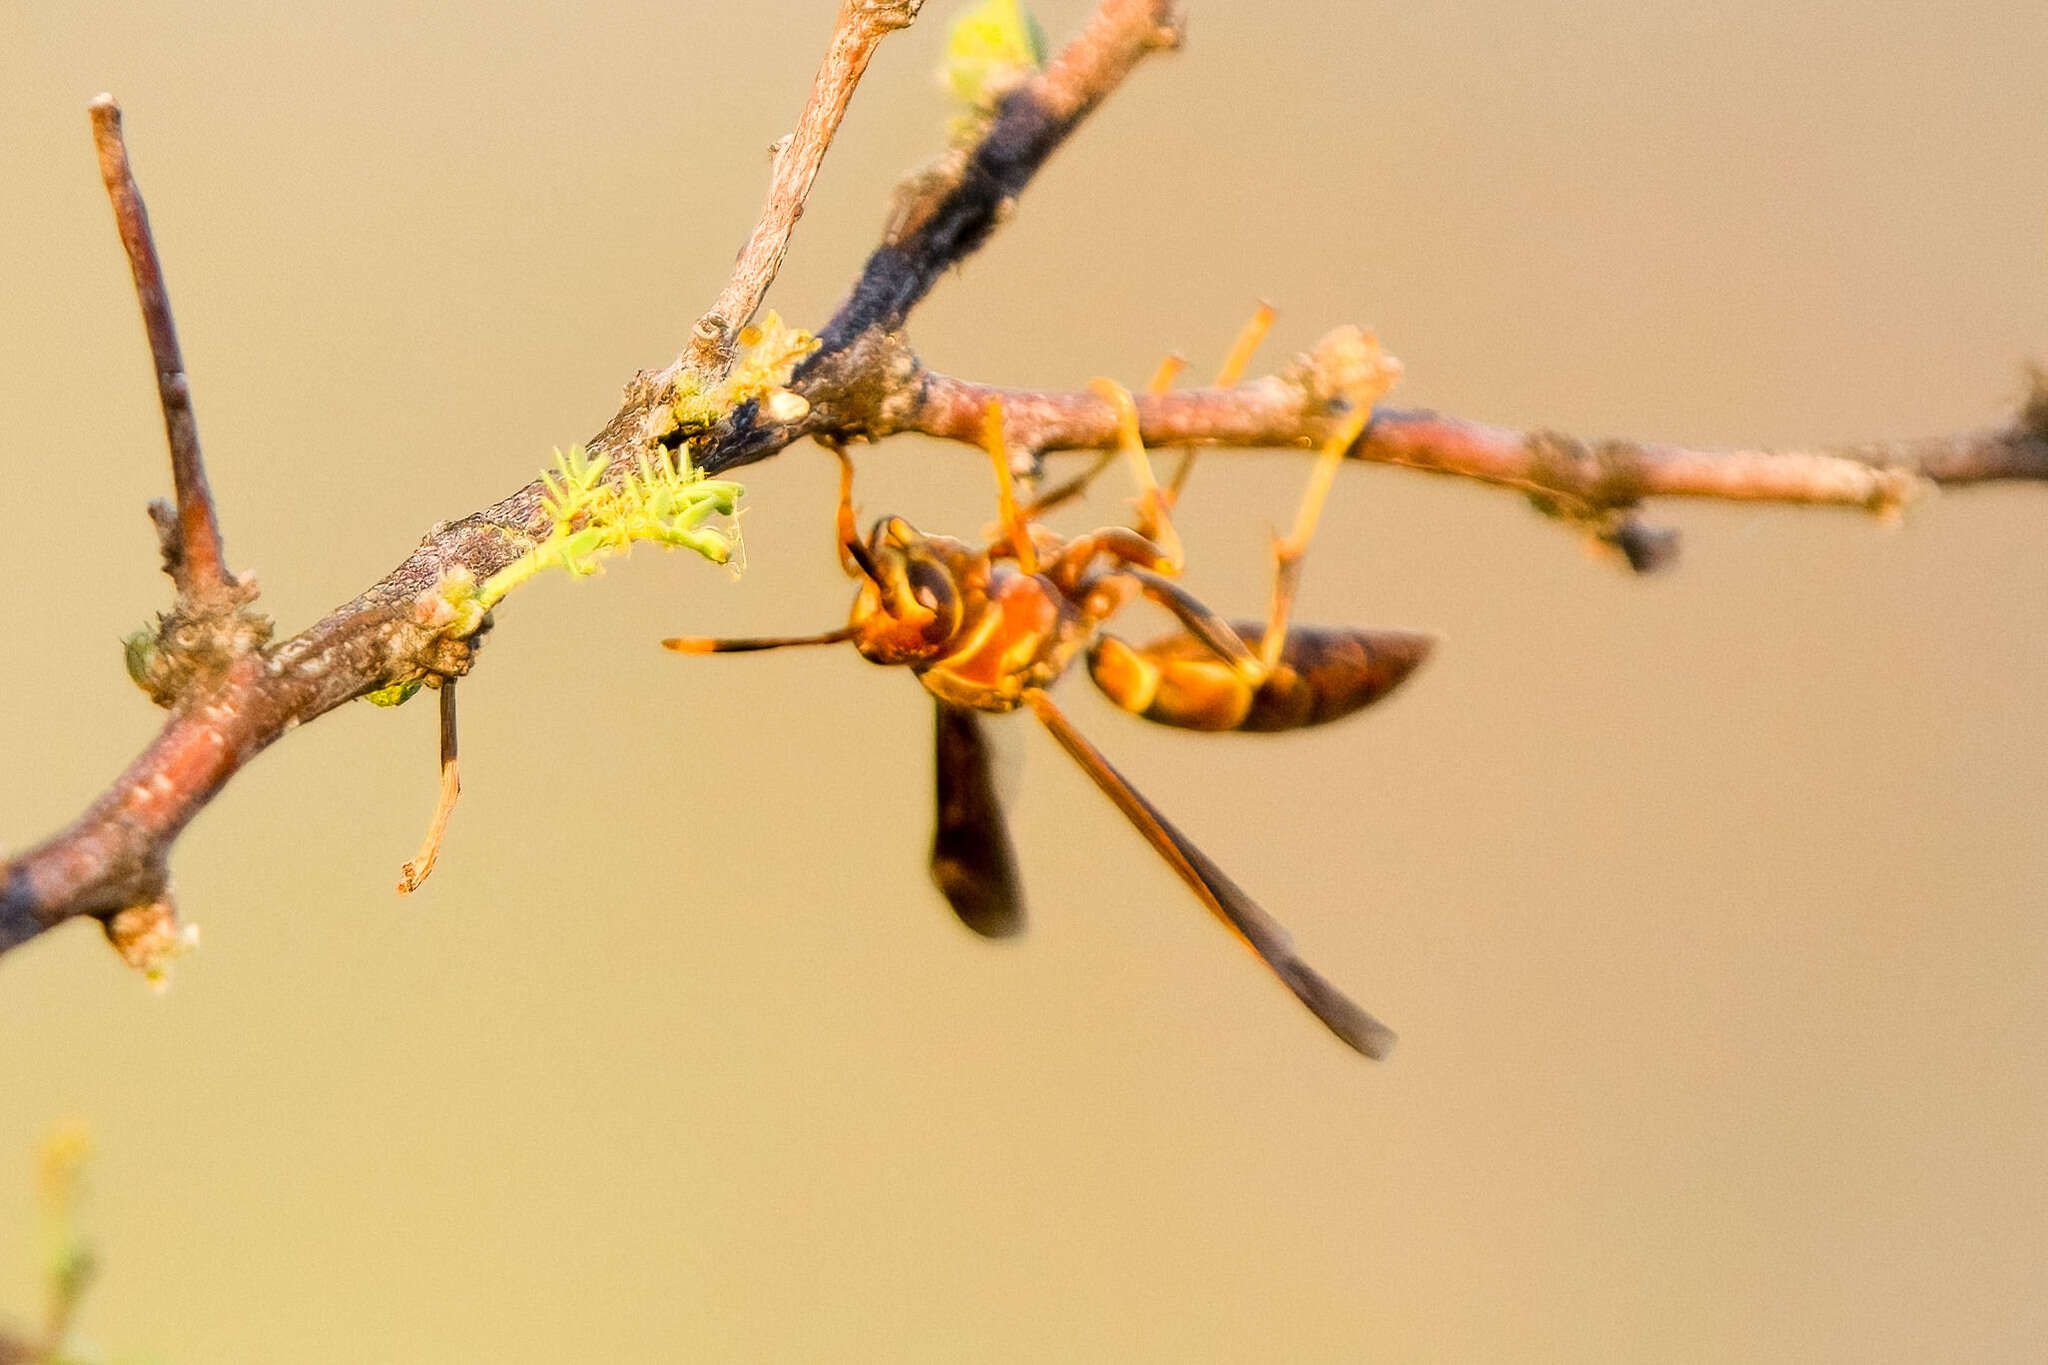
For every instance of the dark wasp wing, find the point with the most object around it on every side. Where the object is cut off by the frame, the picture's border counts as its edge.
(971, 857)
(1225, 899)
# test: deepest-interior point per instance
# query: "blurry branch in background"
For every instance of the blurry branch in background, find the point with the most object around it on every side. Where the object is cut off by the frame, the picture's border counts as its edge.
(231, 692)
(67, 1258)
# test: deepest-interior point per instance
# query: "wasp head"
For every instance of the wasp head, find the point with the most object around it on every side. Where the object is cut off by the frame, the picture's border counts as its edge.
(910, 600)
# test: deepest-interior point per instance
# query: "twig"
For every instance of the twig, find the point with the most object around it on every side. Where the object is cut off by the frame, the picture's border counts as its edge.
(1283, 411)
(420, 866)
(193, 555)
(863, 363)
(1033, 122)
(861, 26)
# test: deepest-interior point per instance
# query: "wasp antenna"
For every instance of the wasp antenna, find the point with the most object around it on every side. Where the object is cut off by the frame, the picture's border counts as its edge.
(708, 644)
(864, 562)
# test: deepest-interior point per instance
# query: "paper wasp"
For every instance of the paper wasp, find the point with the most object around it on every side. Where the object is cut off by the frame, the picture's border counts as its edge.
(988, 630)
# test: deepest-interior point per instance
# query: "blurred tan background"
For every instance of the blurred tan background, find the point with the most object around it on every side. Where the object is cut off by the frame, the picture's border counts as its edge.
(1710, 907)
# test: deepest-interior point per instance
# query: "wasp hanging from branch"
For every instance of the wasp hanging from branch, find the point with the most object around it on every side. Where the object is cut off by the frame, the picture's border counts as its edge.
(989, 630)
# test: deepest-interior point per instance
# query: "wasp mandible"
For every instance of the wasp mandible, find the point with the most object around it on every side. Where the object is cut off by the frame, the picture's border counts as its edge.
(988, 631)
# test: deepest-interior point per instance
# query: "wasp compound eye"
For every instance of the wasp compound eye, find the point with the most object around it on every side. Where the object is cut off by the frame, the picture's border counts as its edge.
(933, 587)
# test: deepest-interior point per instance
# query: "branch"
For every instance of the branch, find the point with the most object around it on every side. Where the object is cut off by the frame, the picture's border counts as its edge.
(191, 540)
(111, 863)
(864, 382)
(948, 219)
(1290, 410)
(861, 26)
(943, 217)
(210, 625)
(940, 218)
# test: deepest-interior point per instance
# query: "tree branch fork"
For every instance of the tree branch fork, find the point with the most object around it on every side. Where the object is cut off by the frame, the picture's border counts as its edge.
(231, 691)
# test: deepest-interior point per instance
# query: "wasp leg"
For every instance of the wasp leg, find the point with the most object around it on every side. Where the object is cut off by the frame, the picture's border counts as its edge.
(1216, 697)
(1162, 380)
(1222, 896)
(1016, 523)
(1139, 561)
(1073, 488)
(1072, 568)
(1215, 633)
(1234, 365)
(1155, 519)
(843, 519)
(854, 559)
(1288, 550)
(415, 872)
(972, 861)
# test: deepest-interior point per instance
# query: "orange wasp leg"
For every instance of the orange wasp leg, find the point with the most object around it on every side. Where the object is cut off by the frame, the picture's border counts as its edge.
(1360, 395)
(848, 545)
(1288, 550)
(1155, 520)
(1016, 523)
(854, 558)
(1223, 897)
(1212, 631)
(1162, 380)
(1119, 544)
(1234, 365)
(414, 874)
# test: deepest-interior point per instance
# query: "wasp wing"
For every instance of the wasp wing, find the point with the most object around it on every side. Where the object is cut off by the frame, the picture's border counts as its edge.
(971, 857)
(1225, 899)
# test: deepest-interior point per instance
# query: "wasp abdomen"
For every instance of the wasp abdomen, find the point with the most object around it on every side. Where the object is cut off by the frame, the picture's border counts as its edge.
(1324, 674)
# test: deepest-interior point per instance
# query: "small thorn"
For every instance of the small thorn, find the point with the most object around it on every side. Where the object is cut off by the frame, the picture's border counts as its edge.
(416, 871)
(1647, 548)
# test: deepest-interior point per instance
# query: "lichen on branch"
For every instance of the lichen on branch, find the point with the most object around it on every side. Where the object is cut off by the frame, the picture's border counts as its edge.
(592, 517)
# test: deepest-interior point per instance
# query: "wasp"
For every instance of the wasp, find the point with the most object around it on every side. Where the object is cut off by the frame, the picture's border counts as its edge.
(989, 629)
